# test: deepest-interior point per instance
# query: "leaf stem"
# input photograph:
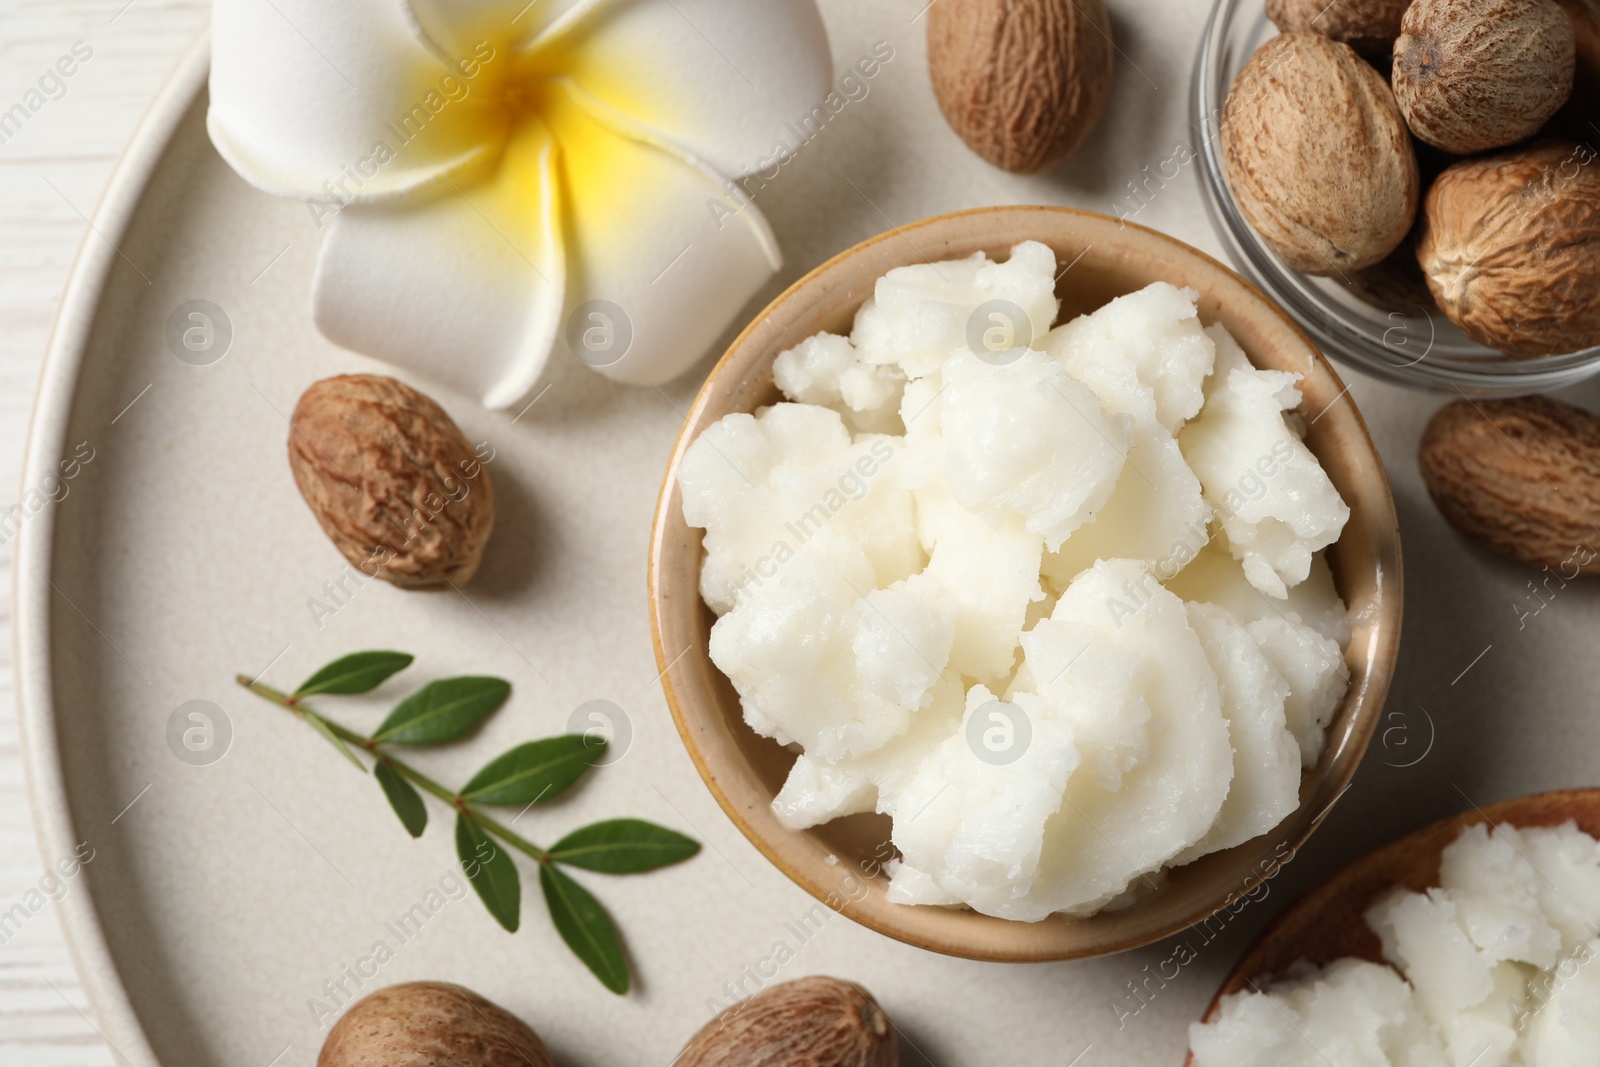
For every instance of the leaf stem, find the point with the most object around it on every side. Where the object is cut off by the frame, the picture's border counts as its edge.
(416, 777)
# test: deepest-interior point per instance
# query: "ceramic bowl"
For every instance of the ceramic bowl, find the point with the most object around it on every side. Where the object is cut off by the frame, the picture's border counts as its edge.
(841, 862)
(1327, 923)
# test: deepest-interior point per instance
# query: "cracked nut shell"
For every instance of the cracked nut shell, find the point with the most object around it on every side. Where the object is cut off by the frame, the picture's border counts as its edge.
(1471, 75)
(1022, 82)
(1317, 155)
(430, 1024)
(391, 480)
(1511, 248)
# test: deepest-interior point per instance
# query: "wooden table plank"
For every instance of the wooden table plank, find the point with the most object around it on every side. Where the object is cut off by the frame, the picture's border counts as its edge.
(52, 172)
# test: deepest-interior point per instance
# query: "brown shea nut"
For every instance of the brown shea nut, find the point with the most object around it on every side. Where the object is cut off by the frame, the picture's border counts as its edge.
(1396, 282)
(1511, 248)
(1317, 155)
(430, 1024)
(1477, 74)
(1585, 16)
(1368, 26)
(392, 481)
(809, 1022)
(1022, 82)
(1521, 477)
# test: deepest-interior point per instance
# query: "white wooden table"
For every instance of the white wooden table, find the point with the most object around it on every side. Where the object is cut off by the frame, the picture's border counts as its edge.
(52, 171)
(1523, 722)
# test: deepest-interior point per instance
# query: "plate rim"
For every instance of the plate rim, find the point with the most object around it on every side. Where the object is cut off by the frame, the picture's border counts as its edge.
(31, 586)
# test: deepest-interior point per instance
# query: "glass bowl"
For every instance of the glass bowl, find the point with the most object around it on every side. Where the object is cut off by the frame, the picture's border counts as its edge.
(1409, 342)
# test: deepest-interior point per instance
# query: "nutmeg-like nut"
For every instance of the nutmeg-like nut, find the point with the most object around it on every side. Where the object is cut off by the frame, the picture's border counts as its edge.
(1511, 248)
(809, 1022)
(1368, 26)
(392, 481)
(1477, 74)
(1521, 477)
(1395, 283)
(1585, 16)
(1317, 155)
(1022, 82)
(430, 1024)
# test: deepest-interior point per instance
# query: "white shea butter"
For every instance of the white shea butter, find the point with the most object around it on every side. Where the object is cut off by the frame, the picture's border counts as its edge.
(1051, 599)
(1494, 967)
(1273, 498)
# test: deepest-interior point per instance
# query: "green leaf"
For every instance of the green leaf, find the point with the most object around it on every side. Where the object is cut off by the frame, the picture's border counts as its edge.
(586, 928)
(623, 846)
(442, 710)
(334, 739)
(491, 871)
(359, 672)
(534, 771)
(403, 798)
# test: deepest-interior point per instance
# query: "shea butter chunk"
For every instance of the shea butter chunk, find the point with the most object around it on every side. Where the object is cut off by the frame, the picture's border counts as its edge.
(1276, 503)
(1216, 577)
(1476, 978)
(1496, 891)
(1569, 890)
(918, 315)
(817, 791)
(1156, 514)
(1351, 1014)
(1119, 661)
(1026, 438)
(990, 575)
(1566, 1030)
(1421, 935)
(972, 818)
(825, 370)
(1143, 354)
(1266, 756)
(764, 486)
(791, 649)
(1314, 668)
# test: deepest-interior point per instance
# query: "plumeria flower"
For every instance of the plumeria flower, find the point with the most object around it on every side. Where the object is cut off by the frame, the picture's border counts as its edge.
(497, 181)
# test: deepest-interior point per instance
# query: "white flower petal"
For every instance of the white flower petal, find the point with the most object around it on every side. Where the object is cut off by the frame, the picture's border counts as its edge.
(303, 92)
(462, 286)
(652, 232)
(721, 79)
(455, 27)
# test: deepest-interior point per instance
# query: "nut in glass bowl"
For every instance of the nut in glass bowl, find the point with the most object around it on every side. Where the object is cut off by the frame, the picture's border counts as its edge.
(1395, 331)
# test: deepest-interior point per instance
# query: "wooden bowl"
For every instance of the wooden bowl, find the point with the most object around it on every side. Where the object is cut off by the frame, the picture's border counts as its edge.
(1328, 924)
(841, 862)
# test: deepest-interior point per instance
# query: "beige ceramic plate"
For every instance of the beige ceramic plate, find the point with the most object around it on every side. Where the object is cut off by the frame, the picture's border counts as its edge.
(1106, 259)
(1327, 924)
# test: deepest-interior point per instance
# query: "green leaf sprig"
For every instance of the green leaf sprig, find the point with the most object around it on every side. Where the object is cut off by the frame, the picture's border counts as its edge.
(526, 775)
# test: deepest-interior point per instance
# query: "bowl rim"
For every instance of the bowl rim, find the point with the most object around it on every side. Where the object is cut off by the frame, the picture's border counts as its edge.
(1381, 656)
(1495, 375)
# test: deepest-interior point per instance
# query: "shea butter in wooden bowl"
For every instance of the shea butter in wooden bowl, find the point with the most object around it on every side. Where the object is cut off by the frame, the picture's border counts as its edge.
(1334, 922)
(843, 862)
